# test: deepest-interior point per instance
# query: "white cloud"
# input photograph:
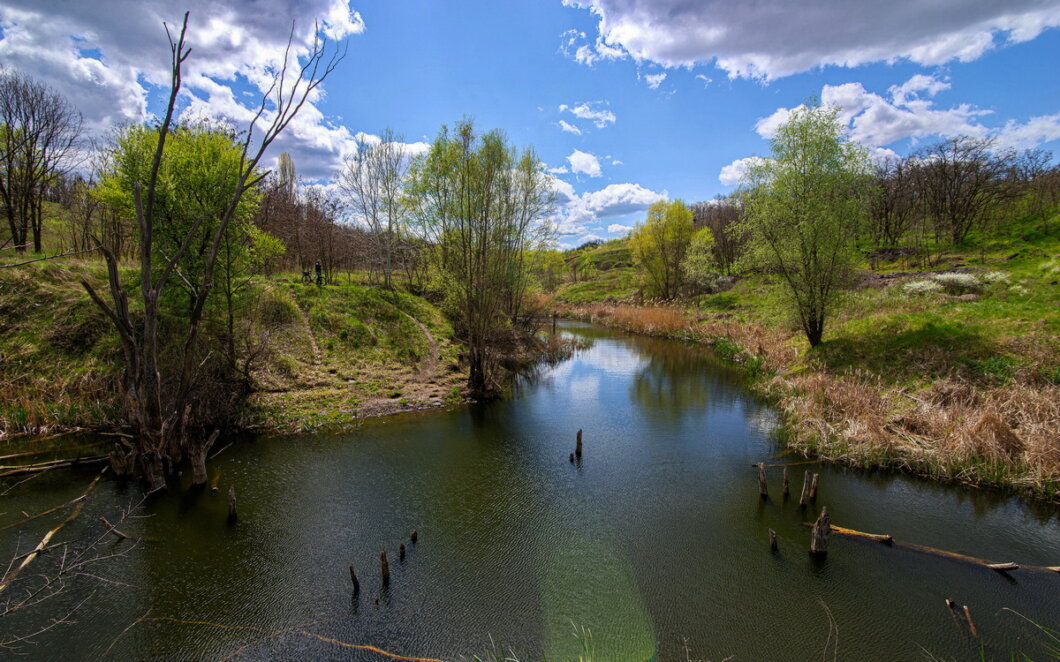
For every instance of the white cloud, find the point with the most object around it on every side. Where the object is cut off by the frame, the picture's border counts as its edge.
(614, 200)
(707, 80)
(732, 174)
(589, 237)
(584, 163)
(774, 38)
(876, 121)
(618, 228)
(569, 128)
(595, 111)
(1032, 133)
(655, 80)
(616, 162)
(107, 56)
(558, 170)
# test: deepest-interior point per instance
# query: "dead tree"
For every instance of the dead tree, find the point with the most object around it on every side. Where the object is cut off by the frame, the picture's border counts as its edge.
(161, 424)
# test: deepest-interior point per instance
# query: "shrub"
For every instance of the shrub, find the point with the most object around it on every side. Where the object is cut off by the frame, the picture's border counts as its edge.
(920, 287)
(994, 277)
(955, 283)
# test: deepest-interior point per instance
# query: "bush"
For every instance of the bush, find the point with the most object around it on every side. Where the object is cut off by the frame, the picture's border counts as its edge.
(955, 283)
(994, 277)
(921, 287)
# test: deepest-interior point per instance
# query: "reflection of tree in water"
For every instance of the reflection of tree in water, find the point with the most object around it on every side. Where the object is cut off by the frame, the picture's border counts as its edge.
(678, 378)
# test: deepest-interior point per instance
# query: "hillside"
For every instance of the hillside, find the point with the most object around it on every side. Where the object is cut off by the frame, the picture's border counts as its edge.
(325, 356)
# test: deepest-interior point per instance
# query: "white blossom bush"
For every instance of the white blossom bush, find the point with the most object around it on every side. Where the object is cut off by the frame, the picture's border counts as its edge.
(955, 283)
(922, 287)
(993, 277)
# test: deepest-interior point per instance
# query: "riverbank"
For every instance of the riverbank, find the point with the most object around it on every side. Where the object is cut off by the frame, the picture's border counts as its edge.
(998, 433)
(321, 358)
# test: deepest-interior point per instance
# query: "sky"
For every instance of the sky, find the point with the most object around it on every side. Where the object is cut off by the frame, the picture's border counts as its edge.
(625, 101)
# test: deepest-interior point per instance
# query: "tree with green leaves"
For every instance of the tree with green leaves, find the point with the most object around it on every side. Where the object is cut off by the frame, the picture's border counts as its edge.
(700, 267)
(659, 246)
(482, 207)
(804, 207)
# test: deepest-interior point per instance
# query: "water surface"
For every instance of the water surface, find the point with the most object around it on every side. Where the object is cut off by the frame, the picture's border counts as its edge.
(656, 542)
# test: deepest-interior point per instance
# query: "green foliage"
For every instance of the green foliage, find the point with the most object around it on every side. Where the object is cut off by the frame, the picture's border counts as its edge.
(804, 208)
(659, 246)
(700, 268)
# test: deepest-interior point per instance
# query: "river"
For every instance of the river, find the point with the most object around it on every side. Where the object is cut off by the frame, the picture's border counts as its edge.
(655, 544)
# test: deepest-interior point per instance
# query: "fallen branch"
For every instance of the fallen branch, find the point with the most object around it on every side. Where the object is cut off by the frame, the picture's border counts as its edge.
(19, 470)
(30, 518)
(11, 576)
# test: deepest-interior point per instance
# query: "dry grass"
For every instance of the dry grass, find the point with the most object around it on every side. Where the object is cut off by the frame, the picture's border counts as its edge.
(951, 428)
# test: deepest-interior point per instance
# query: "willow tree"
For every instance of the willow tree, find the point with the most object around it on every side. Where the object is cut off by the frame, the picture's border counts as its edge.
(804, 207)
(482, 205)
(659, 246)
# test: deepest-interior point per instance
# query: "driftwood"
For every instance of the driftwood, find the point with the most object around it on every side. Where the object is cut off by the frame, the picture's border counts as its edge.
(772, 540)
(813, 488)
(805, 489)
(22, 469)
(49, 450)
(11, 576)
(785, 491)
(30, 518)
(215, 483)
(885, 539)
(971, 623)
(763, 489)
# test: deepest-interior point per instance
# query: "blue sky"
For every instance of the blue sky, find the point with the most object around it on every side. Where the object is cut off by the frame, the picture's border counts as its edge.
(659, 97)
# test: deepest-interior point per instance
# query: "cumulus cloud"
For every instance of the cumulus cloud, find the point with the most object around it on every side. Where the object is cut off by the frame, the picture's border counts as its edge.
(595, 111)
(584, 163)
(108, 56)
(775, 38)
(909, 111)
(655, 80)
(618, 228)
(612, 201)
(707, 80)
(569, 128)
(733, 174)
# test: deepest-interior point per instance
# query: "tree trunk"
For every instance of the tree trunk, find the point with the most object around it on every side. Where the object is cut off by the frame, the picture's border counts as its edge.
(197, 456)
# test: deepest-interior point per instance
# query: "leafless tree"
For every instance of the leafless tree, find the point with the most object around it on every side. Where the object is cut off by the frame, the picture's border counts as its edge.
(961, 182)
(372, 180)
(39, 133)
(892, 207)
(722, 216)
(160, 419)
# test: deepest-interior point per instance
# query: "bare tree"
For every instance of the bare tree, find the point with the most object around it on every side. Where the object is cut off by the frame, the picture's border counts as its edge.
(722, 215)
(961, 183)
(39, 132)
(892, 208)
(161, 419)
(372, 179)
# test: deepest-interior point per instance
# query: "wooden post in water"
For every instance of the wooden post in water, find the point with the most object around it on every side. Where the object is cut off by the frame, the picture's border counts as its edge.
(356, 584)
(401, 552)
(232, 504)
(414, 537)
(572, 458)
(805, 489)
(763, 490)
(822, 528)
(385, 567)
(971, 623)
(772, 540)
(813, 488)
(553, 323)
(784, 489)
(578, 446)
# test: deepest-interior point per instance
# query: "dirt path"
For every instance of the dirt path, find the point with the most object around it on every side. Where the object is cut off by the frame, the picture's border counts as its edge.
(430, 366)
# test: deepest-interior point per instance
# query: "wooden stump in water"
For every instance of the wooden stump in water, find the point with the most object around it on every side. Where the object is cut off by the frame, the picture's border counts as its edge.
(763, 489)
(821, 531)
(414, 537)
(197, 452)
(401, 552)
(385, 567)
(356, 584)
(772, 540)
(784, 488)
(813, 488)
(804, 499)
(232, 504)
(578, 446)
(572, 458)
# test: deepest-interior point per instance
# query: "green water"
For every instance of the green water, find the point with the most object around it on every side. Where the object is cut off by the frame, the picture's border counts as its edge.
(656, 542)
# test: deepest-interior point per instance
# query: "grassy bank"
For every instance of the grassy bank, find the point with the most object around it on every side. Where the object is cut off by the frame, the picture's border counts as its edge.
(952, 380)
(326, 357)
